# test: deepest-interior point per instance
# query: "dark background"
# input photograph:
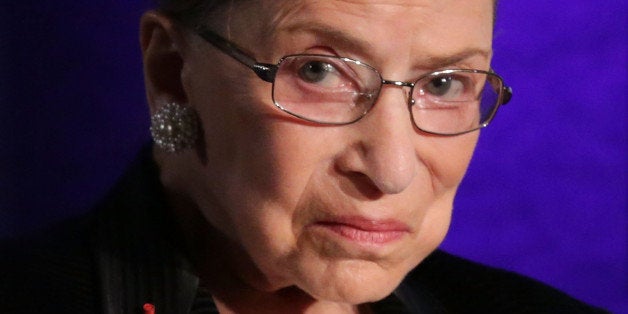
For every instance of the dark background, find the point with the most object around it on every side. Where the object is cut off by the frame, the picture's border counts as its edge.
(545, 194)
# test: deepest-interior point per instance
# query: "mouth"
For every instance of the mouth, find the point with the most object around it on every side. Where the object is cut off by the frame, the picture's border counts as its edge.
(365, 232)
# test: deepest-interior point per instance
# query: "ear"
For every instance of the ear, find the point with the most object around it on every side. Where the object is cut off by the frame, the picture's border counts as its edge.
(163, 49)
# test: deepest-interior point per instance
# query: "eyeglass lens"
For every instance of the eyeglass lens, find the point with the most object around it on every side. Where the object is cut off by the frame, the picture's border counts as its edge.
(334, 90)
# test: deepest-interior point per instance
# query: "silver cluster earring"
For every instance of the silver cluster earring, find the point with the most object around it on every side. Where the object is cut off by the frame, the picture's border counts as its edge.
(174, 127)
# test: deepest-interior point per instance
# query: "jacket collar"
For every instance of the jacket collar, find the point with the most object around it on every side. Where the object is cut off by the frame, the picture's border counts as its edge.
(138, 254)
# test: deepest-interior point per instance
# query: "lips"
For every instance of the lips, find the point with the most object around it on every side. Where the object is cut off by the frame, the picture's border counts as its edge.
(366, 231)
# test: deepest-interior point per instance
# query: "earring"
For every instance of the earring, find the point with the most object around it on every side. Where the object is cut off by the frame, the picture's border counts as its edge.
(174, 127)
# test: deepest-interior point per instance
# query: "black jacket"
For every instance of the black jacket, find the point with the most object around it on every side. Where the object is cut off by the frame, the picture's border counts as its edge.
(126, 253)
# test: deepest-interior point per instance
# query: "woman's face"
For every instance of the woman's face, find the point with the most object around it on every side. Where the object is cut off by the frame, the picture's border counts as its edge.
(341, 212)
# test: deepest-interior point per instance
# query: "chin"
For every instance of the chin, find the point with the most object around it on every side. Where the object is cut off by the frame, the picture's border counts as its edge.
(351, 281)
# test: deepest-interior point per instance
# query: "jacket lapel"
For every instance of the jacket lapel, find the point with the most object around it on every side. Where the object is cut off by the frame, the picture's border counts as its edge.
(136, 247)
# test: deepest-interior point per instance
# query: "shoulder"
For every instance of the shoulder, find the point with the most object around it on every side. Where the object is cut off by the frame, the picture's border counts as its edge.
(51, 271)
(463, 286)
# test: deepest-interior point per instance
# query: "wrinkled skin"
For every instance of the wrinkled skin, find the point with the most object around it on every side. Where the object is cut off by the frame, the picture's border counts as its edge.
(265, 181)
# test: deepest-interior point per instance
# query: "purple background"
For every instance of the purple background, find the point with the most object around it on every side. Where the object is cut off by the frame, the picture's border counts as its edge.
(545, 194)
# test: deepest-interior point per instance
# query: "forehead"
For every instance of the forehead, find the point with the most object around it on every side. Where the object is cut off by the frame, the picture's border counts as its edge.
(378, 27)
(375, 9)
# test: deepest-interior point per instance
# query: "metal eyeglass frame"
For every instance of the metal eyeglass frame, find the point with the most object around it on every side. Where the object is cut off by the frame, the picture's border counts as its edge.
(268, 72)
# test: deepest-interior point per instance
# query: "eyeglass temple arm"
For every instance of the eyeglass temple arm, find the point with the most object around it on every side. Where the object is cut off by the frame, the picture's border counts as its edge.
(506, 91)
(265, 71)
(506, 94)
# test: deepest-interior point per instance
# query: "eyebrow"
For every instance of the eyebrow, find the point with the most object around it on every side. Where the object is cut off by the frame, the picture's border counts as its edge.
(347, 41)
(456, 58)
(340, 38)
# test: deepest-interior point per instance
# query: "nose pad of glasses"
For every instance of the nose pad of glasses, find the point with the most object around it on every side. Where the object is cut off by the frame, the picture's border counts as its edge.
(410, 98)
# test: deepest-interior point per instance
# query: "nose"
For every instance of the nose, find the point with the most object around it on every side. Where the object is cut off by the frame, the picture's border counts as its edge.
(385, 148)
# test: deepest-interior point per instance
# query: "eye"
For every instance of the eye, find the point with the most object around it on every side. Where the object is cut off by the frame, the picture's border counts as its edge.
(316, 71)
(448, 87)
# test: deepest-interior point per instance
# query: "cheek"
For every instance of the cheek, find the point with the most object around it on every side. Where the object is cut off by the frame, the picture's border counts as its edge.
(287, 157)
(237, 148)
(258, 169)
(447, 159)
(270, 202)
(241, 160)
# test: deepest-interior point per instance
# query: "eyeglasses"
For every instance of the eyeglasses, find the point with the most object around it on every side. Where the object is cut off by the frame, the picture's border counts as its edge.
(336, 90)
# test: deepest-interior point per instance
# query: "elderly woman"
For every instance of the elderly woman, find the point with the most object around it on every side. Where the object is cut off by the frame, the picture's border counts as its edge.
(306, 158)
